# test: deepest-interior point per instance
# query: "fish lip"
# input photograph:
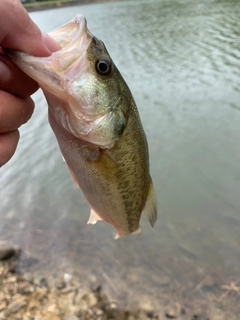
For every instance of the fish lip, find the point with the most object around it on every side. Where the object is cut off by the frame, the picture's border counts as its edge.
(72, 31)
(74, 38)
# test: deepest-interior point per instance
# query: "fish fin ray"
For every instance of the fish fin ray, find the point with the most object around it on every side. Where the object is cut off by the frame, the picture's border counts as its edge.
(107, 156)
(150, 209)
(137, 231)
(117, 236)
(94, 217)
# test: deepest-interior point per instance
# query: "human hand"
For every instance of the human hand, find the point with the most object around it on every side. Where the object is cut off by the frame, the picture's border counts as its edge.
(17, 31)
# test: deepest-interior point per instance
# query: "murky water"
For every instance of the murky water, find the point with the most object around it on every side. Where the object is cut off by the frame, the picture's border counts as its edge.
(181, 61)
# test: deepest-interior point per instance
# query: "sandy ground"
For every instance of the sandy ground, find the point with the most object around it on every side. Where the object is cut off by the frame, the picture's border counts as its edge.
(25, 297)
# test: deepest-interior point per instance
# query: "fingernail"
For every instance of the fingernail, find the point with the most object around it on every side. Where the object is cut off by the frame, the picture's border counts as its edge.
(5, 72)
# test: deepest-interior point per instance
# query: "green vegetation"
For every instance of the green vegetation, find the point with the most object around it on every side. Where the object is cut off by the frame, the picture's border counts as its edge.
(31, 3)
(42, 1)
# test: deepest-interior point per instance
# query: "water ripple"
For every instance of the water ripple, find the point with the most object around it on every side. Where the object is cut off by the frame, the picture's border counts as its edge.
(181, 60)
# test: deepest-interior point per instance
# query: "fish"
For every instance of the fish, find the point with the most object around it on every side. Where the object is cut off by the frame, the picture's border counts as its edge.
(97, 125)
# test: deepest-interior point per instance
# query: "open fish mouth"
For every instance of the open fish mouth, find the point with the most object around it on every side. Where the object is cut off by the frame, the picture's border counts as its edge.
(57, 70)
(74, 37)
(71, 32)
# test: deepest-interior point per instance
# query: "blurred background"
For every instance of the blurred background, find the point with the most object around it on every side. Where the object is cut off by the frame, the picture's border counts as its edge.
(181, 62)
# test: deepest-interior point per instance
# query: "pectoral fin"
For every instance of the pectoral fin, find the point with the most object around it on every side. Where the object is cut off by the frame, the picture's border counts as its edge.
(150, 209)
(94, 217)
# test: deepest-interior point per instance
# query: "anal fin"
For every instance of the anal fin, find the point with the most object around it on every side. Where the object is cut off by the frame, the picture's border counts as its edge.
(150, 209)
(137, 231)
(94, 217)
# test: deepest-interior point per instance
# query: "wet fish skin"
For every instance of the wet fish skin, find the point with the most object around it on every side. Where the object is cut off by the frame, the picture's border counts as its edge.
(97, 125)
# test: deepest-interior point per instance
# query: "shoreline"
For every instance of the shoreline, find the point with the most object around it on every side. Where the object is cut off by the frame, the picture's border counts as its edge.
(30, 7)
(27, 295)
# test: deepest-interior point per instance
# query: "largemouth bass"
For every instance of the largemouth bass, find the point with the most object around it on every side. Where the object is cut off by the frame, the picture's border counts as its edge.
(97, 125)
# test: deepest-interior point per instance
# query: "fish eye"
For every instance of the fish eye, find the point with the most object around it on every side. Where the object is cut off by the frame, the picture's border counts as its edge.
(104, 66)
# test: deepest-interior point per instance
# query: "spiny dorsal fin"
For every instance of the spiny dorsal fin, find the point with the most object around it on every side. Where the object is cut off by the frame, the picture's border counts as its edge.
(150, 209)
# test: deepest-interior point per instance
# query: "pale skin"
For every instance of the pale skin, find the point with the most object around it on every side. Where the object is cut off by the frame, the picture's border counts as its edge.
(17, 31)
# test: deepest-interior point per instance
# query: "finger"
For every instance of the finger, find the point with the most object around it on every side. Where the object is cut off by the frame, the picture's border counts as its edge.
(8, 145)
(14, 111)
(14, 81)
(51, 44)
(18, 31)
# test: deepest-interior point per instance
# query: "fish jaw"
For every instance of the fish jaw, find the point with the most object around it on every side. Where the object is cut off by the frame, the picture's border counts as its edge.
(55, 72)
(66, 78)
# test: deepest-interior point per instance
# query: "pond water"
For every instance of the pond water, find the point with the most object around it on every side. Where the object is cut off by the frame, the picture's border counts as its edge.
(181, 61)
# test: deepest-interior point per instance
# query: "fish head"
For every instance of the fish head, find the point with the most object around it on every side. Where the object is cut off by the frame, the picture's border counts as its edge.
(83, 87)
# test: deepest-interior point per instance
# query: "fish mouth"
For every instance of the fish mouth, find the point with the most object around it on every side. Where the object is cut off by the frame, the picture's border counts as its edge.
(53, 73)
(73, 37)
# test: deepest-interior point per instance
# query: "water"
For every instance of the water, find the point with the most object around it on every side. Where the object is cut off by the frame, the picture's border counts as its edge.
(181, 61)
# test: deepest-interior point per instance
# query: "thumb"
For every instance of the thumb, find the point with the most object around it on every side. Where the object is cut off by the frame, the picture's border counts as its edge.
(19, 32)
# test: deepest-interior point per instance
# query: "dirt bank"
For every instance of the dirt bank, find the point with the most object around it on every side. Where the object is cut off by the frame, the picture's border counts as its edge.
(23, 296)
